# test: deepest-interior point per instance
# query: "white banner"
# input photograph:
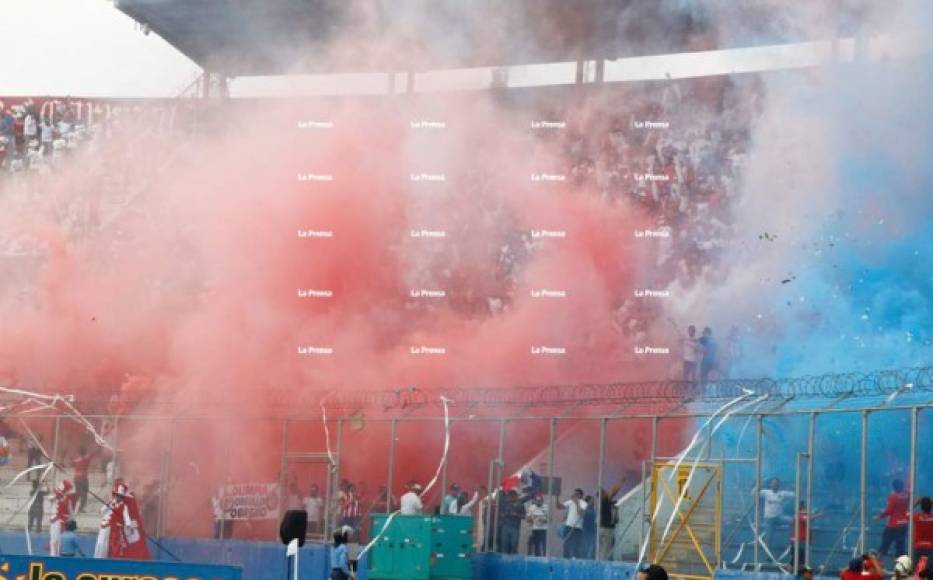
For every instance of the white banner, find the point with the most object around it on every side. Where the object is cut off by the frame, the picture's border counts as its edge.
(250, 501)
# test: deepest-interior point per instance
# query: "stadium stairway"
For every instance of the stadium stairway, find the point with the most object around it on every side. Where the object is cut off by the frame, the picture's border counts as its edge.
(834, 535)
(14, 497)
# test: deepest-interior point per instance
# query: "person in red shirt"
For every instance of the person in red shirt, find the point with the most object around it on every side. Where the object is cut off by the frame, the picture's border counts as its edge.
(865, 568)
(923, 529)
(804, 518)
(897, 512)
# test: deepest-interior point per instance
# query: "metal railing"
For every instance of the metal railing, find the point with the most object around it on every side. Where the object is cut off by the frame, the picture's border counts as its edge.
(882, 415)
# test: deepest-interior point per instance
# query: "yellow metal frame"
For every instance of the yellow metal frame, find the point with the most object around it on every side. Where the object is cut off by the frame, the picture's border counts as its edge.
(658, 550)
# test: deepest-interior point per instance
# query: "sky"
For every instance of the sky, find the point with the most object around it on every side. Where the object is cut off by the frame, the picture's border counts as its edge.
(85, 48)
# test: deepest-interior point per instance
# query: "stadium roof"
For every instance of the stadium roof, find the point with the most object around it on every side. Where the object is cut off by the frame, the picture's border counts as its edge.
(270, 37)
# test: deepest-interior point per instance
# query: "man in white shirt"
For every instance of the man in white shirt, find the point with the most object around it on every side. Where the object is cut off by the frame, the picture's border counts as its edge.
(482, 537)
(691, 350)
(314, 505)
(411, 502)
(536, 513)
(222, 526)
(774, 498)
(573, 525)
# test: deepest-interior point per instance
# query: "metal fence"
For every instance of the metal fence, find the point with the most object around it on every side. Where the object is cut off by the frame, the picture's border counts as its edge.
(835, 443)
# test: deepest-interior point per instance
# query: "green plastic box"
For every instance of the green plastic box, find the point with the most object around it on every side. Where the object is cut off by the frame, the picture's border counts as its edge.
(422, 548)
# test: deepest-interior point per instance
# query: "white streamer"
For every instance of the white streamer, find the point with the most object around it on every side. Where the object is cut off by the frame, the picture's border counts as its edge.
(680, 458)
(87, 424)
(41, 402)
(443, 462)
(35, 440)
(385, 525)
(330, 455)
(45, 466)
(760, 539)
(32, 500)
(696, 461)
(739, 554)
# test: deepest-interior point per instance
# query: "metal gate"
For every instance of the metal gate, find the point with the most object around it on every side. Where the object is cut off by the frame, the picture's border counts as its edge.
(301, 470)
(684, 528)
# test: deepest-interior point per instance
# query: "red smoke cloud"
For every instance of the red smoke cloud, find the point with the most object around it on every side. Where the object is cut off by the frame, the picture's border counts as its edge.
(194, 283)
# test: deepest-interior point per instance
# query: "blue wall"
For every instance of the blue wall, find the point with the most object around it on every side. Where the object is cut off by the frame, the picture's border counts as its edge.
(48, 567)
(498, 567)
(266, 560)
(259, 560)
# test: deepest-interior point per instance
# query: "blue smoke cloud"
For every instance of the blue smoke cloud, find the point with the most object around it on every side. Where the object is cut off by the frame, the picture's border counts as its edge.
(847, 285)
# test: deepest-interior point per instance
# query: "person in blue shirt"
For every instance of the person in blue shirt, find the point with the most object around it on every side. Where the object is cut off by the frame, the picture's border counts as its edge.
(339, 561)
(589, 528)
(449, 503)
(70, 547)
(709, 360)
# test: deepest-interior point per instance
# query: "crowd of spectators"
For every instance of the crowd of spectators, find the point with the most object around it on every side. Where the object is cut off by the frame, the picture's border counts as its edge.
(520, 517)
(678, 152)
(36, 136)
(672, 155)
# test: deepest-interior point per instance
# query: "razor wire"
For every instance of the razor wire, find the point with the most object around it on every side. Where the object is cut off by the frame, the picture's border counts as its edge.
(828, 386)
(890, 384)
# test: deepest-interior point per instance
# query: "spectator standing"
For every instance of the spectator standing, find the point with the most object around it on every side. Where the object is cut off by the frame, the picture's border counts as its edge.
(339, 559)
(607, 520)
(510, 521)
(46, 137)
(449, 502)
(573, 525)
(774, 498)
(708, 354)
(483, 536)
(350, 508)
(897, 512)
(70, 545)
(293, 500)
(536, 514)
(37, 507)
(589, 528)
(81, 464)
(223, 527)
(411, 501)
(4, 450)
(804, 521)
(34, 454)
(923, 530)
(464, 504)
(691, 354)
(30, 127)
(314, 505)
(7, 129)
